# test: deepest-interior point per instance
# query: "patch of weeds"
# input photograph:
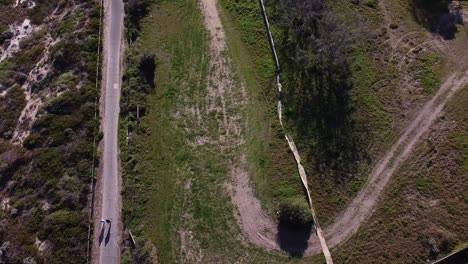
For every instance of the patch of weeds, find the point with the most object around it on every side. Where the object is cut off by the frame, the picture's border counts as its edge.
(428, 65)
(393, 26)
(371, 3)
(426, 199)
(422, 183)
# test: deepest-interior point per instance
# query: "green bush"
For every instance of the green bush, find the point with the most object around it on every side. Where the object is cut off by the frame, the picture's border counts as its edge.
(10, 110)
(42, 9)
(295, 213)
(371, 3)
(393, 26)
(65, 104)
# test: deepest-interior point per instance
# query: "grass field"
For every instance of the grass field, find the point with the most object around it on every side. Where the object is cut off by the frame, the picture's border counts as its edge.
(426, 200)
(177, 200)
(276, 180)
(273, 171)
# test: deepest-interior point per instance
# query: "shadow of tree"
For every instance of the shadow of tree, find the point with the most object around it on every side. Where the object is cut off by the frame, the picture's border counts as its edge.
(318, 81)
(293, 239)
(437, 16)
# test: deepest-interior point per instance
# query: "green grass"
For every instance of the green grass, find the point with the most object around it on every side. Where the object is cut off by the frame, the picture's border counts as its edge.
(156, 194)
(271, 165)
(425, 199)
(428, 63)
(179, 187)
(460, 246)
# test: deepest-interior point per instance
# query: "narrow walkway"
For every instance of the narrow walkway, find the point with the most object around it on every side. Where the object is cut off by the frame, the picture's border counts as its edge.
(108, 235)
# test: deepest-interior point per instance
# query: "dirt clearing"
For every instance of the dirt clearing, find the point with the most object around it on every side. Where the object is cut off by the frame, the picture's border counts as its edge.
(255, 225)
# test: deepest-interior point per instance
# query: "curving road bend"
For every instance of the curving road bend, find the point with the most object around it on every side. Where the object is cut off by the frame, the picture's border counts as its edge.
(109, 234)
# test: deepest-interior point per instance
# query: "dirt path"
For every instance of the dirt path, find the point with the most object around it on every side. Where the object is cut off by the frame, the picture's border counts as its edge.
(362, 206)
(256, 226)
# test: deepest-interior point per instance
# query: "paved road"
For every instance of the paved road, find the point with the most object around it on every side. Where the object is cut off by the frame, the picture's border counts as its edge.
(109, 248)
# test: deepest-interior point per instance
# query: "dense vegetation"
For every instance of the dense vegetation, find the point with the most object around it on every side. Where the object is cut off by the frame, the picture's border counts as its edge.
(10, 104)
(46, 183)
(137, 83)
(315, 45)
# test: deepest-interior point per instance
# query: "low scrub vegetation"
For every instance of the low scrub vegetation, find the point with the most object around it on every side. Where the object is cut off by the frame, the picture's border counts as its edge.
(315, 53)
(137, 84)
(428, 71)
(10, 109)
(46, 181)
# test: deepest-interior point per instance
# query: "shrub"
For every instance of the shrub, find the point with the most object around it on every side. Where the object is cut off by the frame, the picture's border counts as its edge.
(372, 3)
(34, 140)
(42, 9)
(295, 213)
(393, 26)
(10, 110)
(65, 104)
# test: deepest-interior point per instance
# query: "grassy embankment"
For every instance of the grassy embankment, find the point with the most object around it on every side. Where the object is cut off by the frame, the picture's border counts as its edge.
(426, 200)
(372, 121)
(272, 168)
(177, 198)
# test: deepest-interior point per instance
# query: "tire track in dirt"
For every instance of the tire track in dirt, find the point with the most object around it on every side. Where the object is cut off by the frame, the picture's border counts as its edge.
(362, 206)
(256, 226)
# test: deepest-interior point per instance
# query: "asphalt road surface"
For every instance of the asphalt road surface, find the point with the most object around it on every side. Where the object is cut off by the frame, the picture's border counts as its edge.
(109, 251)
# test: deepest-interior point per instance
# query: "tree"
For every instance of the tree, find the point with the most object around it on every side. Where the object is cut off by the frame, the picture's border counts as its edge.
(295, 213)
